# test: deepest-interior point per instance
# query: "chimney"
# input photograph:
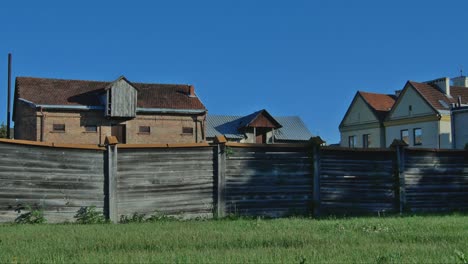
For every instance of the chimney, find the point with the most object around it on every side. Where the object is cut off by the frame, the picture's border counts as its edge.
(460, 81)
(191, 91)
(443, 84)
(397, 93)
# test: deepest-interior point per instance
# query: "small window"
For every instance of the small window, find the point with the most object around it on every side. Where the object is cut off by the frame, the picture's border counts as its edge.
(352, 141)
(144, 129)
(417, 135)
(58, 127)
(187, 130)
(404, 135)
(366, 140)
(91, 128)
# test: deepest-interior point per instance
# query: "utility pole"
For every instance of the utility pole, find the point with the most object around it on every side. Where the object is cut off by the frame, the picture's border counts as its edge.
(9, 96)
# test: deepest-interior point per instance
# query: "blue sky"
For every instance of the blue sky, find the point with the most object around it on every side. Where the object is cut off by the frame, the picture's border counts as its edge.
(305, 58)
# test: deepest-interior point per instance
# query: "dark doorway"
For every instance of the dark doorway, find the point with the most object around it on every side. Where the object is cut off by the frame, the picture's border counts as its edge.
(118, 131)
(261, 136)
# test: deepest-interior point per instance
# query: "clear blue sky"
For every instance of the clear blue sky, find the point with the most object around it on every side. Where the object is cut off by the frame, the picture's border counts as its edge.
(305, 58)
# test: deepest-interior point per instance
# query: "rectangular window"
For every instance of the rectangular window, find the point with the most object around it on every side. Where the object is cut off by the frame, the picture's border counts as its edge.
(91, 128)
(58, 127)
(144, 130)
(404, 135)
(417, 136)
(187, 130)
(366, 140)
(352, 141)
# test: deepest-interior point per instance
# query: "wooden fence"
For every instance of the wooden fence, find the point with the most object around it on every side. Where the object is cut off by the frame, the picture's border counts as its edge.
(215, 180)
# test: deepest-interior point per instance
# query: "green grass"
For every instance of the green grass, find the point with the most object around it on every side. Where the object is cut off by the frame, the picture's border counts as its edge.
(418, 239)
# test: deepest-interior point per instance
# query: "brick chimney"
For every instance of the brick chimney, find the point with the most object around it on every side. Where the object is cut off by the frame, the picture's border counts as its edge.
(443, 84)
(191, 91)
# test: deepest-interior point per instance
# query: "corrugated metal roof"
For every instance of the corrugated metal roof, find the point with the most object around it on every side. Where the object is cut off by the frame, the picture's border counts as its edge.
(293, 127)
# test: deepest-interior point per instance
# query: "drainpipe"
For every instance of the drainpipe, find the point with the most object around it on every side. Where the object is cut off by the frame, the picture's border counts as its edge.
(438, 131)
(452, 128)
(42, 124)
(196, 129)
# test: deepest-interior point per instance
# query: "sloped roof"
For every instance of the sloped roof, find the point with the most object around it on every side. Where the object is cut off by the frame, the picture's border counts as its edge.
(248, 120)
(44, 91)
(292, 127)
(380, 104)
(436, 98)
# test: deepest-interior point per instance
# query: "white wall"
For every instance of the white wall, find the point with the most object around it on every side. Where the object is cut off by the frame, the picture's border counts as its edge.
(460, 123)
(430, 135)
(376, 135)
(418, 105)
(359, 113)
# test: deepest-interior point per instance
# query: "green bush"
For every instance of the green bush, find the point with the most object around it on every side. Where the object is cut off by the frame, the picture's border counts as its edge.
(31, 216)
(135, 218)
(89, 215)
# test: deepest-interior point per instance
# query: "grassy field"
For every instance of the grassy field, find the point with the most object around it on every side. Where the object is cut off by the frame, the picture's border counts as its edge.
(418, 239)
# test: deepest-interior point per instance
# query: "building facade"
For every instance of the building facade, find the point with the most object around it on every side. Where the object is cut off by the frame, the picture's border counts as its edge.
(420, 115)
(362, 125)
(85, 112)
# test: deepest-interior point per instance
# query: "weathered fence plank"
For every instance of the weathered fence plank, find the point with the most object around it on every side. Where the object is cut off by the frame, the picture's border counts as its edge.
(56, 180)
(159, 181)
(353, 182)
(271, 181)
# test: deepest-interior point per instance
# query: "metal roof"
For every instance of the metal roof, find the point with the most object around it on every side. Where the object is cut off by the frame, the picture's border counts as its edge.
(293, 127)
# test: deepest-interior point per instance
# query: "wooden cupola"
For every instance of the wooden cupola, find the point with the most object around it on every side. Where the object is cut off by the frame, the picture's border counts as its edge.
(121, 99)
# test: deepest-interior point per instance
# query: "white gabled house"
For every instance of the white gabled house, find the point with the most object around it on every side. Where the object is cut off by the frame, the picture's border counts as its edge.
(362, 125)
(421, 115)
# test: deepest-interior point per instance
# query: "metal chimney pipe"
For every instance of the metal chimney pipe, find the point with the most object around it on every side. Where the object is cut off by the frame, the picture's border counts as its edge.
(9, 96)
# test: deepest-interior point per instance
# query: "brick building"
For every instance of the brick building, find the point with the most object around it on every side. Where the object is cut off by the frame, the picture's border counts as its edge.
(85, 112)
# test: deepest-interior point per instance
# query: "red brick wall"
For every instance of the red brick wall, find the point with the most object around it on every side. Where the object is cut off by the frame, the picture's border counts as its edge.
(163, 128)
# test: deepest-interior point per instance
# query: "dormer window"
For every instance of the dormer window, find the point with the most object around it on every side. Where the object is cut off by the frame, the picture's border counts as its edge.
(121, 99)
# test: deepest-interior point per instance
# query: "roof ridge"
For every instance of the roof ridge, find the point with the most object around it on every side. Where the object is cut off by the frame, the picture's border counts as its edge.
(96, 81)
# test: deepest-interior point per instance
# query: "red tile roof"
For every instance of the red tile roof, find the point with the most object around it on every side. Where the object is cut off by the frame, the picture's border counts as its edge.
(381, 104)
(434, 96)
(78, 92)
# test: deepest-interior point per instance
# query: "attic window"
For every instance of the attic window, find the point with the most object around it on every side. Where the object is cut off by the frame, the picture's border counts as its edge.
(144, 130)
(187, 130)
(58, 127)
(444, 104)
(91, 128)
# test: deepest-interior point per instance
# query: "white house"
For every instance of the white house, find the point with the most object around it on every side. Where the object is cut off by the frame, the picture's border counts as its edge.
(420, 115)
(362, 125)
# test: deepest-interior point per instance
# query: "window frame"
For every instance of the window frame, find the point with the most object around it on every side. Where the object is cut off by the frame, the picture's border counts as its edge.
(366, 140)
(57, 128)
(86, 127)
(408, 136)
(354, 141)
(185, 129)
(142, 130)
(414, 136)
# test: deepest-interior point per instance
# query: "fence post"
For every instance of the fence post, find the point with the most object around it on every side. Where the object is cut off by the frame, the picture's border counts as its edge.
(316, 142)
(111, 179)
(221, 175)
(400, 188)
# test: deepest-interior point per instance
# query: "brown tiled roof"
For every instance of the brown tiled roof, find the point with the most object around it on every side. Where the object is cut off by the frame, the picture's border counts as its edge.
(434, 96)
(381, 104)
(77, 92)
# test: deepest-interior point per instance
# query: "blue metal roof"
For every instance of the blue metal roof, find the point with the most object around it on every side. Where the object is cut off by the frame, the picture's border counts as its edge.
(293, 127)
